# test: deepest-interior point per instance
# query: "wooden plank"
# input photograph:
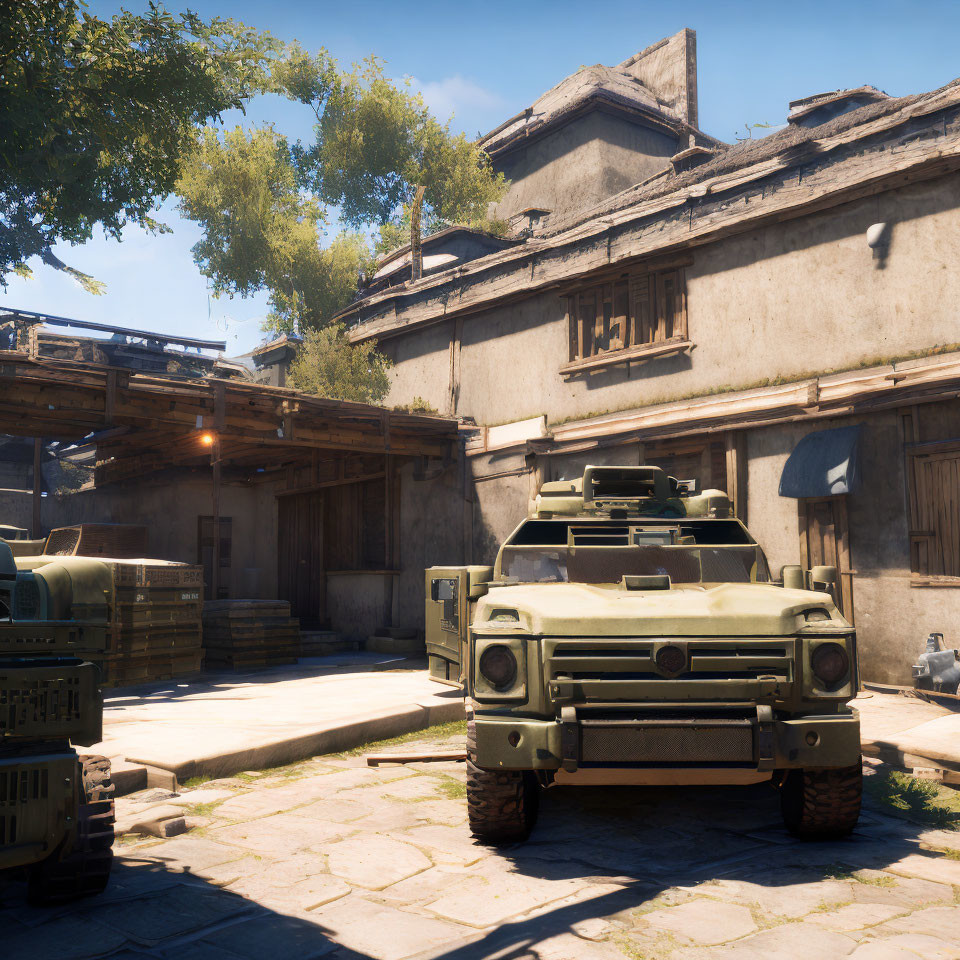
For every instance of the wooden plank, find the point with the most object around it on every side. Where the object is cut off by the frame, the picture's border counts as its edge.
(639, 353)
(388, 507)
(110, 398)
(437, 756)
(570, 317)
(325, 484)
(215, 573)
(736, 468)
(803, 521)
(455, 346)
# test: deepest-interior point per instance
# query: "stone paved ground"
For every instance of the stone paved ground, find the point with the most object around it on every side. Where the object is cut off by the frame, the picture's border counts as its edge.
(332, 858)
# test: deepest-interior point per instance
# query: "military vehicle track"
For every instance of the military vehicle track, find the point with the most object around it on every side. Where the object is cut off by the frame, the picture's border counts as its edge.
(86, 869)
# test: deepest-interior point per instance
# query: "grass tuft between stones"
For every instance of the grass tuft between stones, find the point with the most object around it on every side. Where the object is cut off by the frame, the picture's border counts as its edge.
(442, 731)
(921, 800)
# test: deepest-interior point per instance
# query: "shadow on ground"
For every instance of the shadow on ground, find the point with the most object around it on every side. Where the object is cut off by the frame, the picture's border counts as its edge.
(632, 844)
(224, 681)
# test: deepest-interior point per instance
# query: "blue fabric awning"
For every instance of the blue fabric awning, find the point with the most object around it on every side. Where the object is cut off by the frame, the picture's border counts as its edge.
(823, 464)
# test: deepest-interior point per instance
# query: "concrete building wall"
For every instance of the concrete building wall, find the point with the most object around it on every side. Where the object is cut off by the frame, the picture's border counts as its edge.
(432, 527)
(803, 297)
(584, 161)
(434, 522)
(421, 367)
(16, 507)
(893, 617)
(170, 510)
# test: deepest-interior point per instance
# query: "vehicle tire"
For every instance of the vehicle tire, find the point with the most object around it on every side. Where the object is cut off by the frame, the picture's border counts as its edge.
(501, 804)
(822, 804)
(84, 869)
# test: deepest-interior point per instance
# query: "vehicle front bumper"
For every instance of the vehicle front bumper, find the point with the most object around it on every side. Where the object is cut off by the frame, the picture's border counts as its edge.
(38, 806)
(581, 741)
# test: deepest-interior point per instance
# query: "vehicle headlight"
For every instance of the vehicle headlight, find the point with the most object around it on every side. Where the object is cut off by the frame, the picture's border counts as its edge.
(830, 663)
(499, 670)
(499, 666)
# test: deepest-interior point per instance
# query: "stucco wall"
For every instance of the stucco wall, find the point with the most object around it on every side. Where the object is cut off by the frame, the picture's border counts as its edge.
(432, 525)
(893, 617)
(586, 160)
(432, 531)
(807, 296)
(359, 603)
(421, 366)
(16, 507)
(170, 510)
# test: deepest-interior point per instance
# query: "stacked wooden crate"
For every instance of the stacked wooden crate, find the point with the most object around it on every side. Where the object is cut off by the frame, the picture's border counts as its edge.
(154, 621)
(246, 634)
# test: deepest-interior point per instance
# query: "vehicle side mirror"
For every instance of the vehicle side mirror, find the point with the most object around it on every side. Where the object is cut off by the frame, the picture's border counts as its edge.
(823, 574)
(792, 576)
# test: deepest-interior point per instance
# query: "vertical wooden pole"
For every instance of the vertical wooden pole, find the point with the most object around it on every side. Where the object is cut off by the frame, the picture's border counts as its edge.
(416, 256)
(737, 472)
(388, 511)
(215, 574)
(37, 485)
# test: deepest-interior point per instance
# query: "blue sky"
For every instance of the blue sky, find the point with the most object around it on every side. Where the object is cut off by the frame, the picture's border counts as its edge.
(485, 66)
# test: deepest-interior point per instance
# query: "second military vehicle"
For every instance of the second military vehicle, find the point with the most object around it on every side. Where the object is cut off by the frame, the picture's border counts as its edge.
(630, 632)
(56, 807)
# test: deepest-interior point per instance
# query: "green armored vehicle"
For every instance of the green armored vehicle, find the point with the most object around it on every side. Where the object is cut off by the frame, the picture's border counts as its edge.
(56, 807)
(630, 632)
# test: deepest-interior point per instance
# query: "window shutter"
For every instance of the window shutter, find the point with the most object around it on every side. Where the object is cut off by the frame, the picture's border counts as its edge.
(671, 319)
(587, 311)
(620, 326)
(641, 308)
(935, 542)
(574, 330)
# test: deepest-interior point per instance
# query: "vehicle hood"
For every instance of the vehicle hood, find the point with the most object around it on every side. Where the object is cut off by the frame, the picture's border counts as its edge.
(581, 609)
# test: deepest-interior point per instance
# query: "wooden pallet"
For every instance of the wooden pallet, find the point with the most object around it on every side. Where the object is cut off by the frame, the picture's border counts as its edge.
(250, 634)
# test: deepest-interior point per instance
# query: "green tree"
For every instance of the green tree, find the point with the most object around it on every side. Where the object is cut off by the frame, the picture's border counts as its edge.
(382, 158)
(261, 231)
(96, 116)
(328, 365)
(261, 201)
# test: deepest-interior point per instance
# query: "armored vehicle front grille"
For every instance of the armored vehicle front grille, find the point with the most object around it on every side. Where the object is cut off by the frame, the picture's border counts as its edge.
(624, 669)
(667, 742)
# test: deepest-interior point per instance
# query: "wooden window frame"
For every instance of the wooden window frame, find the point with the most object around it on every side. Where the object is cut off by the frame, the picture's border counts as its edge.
(627, 315)
(925, 541)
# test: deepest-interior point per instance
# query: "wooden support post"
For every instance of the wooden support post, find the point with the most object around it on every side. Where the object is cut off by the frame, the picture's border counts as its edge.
(37, 485)
(737, 472)
(456, 336)
(416, 255)
(215, 574)
(388, 546)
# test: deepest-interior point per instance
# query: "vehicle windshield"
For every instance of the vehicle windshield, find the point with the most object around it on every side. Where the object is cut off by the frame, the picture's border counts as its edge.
(694, 551)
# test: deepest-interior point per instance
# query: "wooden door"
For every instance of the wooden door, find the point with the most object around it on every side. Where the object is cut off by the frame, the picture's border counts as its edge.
(301, 573)
(825, 539)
